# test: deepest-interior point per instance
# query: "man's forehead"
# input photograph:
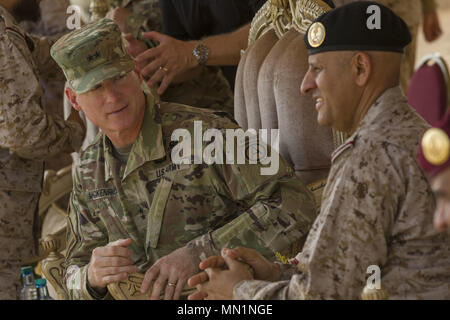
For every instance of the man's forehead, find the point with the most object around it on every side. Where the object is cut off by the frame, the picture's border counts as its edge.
(320, 57)
(313, 59)
(332, 56)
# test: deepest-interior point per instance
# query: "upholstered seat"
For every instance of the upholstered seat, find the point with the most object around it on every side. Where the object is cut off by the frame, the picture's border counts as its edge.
(267, 95)
(267, 92)
(428, 91)
(52, 219)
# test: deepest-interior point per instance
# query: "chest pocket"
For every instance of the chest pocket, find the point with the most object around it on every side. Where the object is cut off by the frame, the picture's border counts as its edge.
(156, 213)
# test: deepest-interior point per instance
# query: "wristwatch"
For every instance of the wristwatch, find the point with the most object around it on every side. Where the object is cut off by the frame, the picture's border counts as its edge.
(201, 53)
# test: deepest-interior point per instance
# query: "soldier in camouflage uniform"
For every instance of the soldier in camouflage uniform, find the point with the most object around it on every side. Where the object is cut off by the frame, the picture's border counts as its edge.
(377, 205)
(131, 201)
(28, 135)
(52, 24)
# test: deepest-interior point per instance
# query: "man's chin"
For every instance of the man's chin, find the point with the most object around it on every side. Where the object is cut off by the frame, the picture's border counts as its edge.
(323, 121)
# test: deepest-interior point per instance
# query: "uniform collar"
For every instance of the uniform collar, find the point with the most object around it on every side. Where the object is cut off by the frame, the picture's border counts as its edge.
(6, 15)
(10, 23)
(148, 146)
(383, 103)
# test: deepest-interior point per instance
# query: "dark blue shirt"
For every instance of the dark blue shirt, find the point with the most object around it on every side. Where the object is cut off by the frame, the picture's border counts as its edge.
(195, 19)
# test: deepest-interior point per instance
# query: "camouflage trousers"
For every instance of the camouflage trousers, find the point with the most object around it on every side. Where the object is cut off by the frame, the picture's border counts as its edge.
(209, 90)
(17, 227)
(17, 224)
(10, 283)
(409, 60)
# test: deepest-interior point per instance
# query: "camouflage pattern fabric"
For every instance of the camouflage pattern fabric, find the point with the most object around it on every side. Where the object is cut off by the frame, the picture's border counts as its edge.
(163, 206)
(85, 64)
(10, 279)
(376, 210)
(28, 136)
(209, 90)
(146, 14)
(52, 23)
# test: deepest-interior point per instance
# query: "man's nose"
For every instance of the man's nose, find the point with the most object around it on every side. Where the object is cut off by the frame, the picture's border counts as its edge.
(110, 92)
(308, 83)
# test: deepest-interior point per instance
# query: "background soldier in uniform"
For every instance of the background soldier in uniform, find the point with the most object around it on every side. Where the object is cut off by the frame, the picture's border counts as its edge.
(377, 203)
(52, 23)
(132, 208)
(28, 135)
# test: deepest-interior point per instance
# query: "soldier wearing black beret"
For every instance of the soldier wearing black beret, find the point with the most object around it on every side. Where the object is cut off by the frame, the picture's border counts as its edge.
(375, 228)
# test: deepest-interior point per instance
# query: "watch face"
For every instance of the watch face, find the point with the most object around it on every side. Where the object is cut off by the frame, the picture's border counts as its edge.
(201, 53)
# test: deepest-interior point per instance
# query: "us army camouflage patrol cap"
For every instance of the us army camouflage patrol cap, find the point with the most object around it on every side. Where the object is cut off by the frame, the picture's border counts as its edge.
(92, 54)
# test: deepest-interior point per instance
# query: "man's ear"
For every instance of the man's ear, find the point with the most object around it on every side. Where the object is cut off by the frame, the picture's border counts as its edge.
(70, 94)
(362, 68)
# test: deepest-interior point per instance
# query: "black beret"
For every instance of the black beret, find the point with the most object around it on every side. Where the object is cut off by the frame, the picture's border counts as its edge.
(330, 3)
(362, 25)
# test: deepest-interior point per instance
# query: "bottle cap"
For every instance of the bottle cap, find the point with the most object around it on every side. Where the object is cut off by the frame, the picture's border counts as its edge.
(27, 270)
(40, 282)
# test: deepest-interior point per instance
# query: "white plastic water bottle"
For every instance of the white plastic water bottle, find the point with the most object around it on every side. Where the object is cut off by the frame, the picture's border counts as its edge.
(41, 286)
(29, 291)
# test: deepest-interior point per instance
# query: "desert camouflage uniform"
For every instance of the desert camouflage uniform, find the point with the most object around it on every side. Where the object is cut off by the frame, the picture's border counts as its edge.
(377, 210)
(52, 24)
(27, 136)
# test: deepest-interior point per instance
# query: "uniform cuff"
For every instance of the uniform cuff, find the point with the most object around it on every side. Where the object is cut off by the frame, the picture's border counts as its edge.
(202, 248)
(89, 293)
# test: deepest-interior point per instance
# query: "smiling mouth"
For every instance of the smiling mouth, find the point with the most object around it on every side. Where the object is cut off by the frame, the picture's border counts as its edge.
(118, 111)
(319, 102)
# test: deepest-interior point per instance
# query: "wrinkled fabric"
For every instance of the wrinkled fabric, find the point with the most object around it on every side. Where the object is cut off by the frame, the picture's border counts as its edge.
(163, 206)
(52, 23)
(377, 209)
(28, 136)
(10, 279)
